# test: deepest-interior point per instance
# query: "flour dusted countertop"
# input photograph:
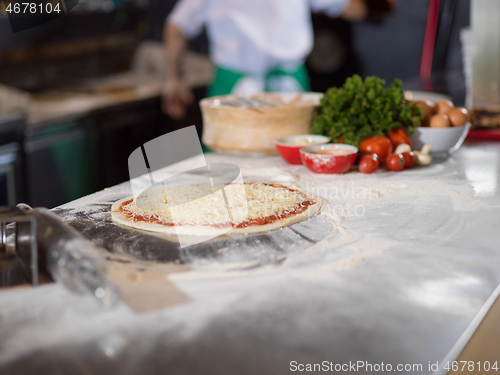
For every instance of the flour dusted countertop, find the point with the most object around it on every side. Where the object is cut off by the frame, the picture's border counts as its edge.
(397, 269)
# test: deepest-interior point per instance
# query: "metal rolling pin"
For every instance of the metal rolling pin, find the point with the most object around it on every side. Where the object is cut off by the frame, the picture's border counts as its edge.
(68, 256)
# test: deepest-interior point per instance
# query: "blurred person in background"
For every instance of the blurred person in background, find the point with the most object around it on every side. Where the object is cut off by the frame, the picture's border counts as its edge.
(255, 45)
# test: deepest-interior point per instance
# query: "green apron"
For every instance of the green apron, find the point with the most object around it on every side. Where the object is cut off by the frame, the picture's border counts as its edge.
(225, 79)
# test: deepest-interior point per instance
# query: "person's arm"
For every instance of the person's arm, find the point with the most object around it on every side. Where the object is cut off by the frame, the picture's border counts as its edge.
(176, 94)
(356, 10)
(350, 10)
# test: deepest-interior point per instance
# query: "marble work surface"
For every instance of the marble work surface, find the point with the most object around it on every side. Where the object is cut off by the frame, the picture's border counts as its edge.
(395, 270)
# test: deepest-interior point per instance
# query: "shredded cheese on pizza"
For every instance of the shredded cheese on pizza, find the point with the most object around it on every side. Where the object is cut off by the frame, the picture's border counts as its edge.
(230, 205)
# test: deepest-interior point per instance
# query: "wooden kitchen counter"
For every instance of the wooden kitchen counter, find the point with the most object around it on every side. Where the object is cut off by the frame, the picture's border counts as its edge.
(75, 102)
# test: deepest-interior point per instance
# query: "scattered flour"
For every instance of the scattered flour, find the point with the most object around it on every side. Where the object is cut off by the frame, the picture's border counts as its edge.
(353, 189)
(344, 193)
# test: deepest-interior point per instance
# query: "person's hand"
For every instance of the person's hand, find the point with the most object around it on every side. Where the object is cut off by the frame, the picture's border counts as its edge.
(176, 97)
(356, 10)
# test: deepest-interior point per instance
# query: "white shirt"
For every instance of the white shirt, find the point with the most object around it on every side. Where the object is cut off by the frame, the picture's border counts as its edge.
(254, 36)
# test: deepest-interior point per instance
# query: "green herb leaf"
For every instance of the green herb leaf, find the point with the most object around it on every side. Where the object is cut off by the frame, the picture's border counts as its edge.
(361, 109)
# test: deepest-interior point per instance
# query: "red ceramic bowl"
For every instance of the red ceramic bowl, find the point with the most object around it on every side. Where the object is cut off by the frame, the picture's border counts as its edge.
(331, 158)
(288, 147)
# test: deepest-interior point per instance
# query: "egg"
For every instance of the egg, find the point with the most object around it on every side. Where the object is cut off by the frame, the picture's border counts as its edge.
(444, 106)
(459, 116)
(439, 121)
(428, 109)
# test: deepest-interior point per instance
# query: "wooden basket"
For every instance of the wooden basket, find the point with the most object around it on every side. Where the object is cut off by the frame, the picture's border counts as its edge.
(252, 131)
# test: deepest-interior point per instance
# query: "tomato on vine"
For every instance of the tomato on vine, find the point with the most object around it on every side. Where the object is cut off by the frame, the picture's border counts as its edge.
(377, 144)
(409, 158)
(399, 136)
(395, 162)
(368, 163)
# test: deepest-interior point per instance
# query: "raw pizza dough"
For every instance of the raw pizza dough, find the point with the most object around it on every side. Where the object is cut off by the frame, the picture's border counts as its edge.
(211, 214)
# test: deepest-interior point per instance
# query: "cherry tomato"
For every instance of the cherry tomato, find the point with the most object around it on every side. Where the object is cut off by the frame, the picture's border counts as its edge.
(377, 144)
(409, 157)
(395, 162)
(368, 163)
(340, 139)
(399, 136)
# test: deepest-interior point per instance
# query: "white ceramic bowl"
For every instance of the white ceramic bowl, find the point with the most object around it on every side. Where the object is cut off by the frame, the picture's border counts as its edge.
(288, 147)
(444, 141)
(306, 139)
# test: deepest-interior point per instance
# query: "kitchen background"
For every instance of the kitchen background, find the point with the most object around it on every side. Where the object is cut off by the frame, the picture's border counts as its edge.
(80, 93)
